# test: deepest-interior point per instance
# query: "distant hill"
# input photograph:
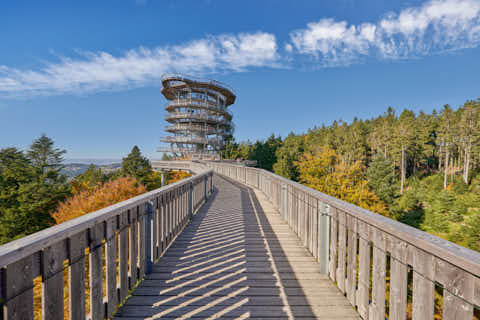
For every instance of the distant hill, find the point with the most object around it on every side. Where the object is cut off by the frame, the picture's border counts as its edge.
(72, 170)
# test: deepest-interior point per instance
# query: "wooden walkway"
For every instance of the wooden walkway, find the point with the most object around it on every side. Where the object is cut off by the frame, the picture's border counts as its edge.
(237, 259)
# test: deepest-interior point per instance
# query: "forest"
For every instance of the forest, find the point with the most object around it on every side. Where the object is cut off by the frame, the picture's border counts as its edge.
(422, 169)
(35, 194)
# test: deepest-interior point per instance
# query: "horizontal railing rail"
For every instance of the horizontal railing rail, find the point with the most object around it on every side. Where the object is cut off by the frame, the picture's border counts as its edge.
(122, 240)
(363, 251)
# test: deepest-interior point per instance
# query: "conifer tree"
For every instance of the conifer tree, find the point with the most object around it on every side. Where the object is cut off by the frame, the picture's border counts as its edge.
(404, 140)
(136, 166)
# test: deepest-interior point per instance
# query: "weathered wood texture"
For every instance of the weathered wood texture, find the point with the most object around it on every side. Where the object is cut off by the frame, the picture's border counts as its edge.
(122, 239)
(364, 247)
(239, 259)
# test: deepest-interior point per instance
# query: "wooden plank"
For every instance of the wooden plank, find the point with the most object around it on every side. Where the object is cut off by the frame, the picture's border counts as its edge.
(398, 279)
(352, 259)
(333, 242)
(377, 307)
(341, 250)
(52, 281)
(476, 295)
(76, 275)
(18, 290)
(141, 240)
(423, 286)
(111, 265)
(363, 291)
(155, 230)
(96, 235)
(161, 224)
(133, 241)
(123, 256)
(458, 291)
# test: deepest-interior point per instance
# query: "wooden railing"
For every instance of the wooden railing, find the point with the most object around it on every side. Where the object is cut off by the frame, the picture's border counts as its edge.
(124, 240)
(381, 265)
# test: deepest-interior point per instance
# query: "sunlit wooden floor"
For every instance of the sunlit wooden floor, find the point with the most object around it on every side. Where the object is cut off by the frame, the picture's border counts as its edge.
(237, 259)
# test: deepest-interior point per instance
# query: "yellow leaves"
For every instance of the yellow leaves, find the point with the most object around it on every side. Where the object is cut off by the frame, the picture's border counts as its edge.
(326, 171)
(98, 197)
(175, 176)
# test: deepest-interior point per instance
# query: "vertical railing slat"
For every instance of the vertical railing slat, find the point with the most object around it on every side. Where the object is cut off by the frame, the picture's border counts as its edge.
(123, 256)
(398, 280)
(377, 307)
(18, 293)
(332, 263)
(76, 275)
(423, 287)
(142, 217)
(111, 265)
(96, 234)
(133, 241)
(341, 250)
(352, 259)
(458, 291)
(363, 291)
(52, 281)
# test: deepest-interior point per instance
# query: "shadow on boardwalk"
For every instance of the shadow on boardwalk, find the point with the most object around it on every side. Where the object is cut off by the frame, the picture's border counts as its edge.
(236, 259)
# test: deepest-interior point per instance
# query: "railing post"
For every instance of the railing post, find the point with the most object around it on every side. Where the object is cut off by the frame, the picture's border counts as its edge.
(211, 183)
(323, 236)
(205, 182)
(148, 237)
(284, 200)
(190, 202)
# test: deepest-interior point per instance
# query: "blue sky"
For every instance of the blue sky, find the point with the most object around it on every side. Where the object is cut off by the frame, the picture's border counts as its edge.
(87, 73)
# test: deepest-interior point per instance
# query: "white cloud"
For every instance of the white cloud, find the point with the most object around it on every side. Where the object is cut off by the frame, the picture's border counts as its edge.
(436, 26)
(103, 71)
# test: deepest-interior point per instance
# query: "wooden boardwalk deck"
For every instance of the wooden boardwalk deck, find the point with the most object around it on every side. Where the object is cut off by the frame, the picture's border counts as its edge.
(237, 259)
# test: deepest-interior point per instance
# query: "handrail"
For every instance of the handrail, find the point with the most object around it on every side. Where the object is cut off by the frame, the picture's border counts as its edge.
(151, 221)
(341, 236)
(181, 77)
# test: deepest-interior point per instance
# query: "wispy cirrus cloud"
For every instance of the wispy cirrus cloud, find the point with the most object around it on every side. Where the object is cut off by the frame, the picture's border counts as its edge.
(103, 71)
(436, 26)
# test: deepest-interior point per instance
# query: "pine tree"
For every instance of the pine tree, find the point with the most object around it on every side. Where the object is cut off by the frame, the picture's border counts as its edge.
(446, 136)
(381, 179)
(404, 140)
(136, 166)
(470, 133)
(26, 197)
(45, 156)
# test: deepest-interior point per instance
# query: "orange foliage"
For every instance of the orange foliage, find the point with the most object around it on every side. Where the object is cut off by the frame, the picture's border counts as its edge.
(97, 198)
(175, 176)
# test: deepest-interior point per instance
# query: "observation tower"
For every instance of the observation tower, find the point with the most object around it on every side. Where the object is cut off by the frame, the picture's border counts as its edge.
(198, 116)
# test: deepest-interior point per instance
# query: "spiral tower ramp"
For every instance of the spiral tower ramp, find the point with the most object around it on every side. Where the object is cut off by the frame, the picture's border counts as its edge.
(198, 116)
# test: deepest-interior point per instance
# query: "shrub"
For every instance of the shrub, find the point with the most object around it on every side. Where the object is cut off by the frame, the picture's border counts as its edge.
(100, 197)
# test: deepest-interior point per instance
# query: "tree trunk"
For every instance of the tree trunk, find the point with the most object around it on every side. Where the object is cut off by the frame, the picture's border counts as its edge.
(467, 164)
(402, 168)
(446, 168)
(440, 160)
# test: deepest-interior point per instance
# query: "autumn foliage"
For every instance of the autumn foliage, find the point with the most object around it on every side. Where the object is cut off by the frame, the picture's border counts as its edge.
(326, 171)
(102, 196)
(175, 176)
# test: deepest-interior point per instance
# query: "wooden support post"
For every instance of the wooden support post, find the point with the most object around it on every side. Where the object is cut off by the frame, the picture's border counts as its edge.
(149, 239)
(284, 201)
(205, 182)
(323, 237)
(190, 202)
